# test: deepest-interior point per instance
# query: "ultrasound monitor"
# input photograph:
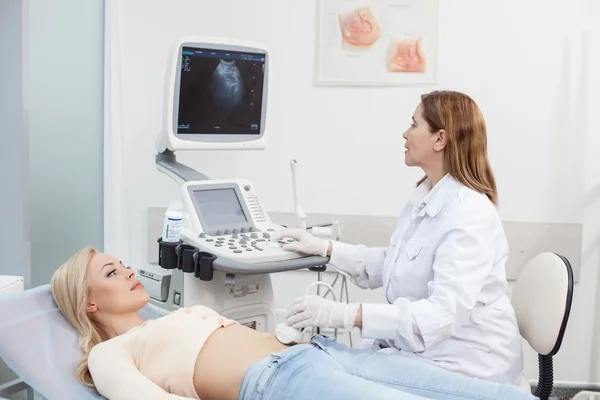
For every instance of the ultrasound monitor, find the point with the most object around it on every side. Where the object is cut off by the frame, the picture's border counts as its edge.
(216, 95)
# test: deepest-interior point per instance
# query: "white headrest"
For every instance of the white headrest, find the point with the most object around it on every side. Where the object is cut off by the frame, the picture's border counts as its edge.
(40, 346)
(542, 299)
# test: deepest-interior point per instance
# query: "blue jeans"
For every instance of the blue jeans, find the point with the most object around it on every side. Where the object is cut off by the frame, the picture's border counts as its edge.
(327, 370)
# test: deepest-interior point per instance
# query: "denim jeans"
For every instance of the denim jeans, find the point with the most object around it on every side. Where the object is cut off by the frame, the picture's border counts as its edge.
(324, 370)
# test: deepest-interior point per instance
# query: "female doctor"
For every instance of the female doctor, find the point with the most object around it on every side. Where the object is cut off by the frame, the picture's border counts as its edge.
(443, 273)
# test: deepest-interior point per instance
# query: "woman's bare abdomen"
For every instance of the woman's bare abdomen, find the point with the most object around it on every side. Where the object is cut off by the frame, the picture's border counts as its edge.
(226, 357)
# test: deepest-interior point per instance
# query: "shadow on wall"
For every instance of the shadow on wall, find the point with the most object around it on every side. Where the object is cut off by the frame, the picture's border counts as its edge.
(567, 105)
(591, 198)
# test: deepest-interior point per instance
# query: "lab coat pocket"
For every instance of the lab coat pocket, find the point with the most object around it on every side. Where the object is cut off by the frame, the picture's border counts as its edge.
(412, 250)
(478, 333)
(475, 316)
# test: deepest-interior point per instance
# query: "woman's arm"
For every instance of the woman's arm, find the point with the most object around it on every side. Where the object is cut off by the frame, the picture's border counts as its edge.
(363, 265)
(463, 260)
(117, 378)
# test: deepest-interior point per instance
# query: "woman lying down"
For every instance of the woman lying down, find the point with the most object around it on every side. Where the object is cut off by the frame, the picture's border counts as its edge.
(193, 353)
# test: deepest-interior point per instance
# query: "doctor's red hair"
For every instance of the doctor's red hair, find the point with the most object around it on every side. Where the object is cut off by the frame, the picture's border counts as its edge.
(465, 154)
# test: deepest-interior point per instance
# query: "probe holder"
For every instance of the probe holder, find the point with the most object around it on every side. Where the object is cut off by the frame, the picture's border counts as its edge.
(167, 254)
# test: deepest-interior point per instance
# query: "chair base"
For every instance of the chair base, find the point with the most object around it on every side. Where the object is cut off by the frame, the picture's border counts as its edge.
(546, 379)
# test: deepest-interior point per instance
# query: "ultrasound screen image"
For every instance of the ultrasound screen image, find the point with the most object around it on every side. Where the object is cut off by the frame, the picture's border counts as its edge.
(220, 92)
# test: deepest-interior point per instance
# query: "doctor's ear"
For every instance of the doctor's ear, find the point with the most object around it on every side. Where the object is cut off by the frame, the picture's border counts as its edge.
(441, 138)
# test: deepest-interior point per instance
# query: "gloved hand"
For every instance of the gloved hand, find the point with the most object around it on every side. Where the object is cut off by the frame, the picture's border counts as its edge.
(316, 311)
(306, 243)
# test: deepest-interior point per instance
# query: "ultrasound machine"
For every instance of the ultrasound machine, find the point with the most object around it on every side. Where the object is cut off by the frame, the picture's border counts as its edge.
(216, 98)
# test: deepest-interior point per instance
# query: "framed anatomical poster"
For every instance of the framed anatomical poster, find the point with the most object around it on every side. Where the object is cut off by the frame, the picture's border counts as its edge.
(376, 42)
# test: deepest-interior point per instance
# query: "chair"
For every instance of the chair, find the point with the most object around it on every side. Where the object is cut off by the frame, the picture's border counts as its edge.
(542, 299)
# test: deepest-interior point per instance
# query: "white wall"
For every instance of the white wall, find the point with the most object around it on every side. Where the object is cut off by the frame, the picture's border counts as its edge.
(514, 62)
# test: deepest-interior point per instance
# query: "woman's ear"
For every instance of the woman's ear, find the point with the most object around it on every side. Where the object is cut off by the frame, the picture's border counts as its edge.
(440, 140)
(91, 307)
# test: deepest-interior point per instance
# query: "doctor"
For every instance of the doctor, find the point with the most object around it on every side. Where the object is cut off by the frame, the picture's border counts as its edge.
(443, 273)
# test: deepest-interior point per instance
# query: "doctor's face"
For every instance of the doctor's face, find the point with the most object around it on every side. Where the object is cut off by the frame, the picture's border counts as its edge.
(421, 149)
(113, 288)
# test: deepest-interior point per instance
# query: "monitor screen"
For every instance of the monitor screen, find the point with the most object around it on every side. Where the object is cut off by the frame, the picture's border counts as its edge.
(219, 207)
(220, 92)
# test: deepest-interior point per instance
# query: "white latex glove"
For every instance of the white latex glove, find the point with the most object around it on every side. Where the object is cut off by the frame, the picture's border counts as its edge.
(306, 243)
(316, 311)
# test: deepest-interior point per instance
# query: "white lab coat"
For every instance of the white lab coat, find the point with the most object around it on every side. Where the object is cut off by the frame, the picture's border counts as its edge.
(443, 275)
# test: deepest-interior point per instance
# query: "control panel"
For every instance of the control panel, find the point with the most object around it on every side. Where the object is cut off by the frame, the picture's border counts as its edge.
(254, 247)
(227, 219)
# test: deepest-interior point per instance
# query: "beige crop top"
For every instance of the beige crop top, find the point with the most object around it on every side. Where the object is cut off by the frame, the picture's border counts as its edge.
(155, 361)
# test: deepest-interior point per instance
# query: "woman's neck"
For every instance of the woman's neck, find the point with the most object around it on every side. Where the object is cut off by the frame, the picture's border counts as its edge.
(116, 325)
(435, 173)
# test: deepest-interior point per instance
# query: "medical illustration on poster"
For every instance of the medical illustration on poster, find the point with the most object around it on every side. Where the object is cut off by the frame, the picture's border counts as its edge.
(376, 42)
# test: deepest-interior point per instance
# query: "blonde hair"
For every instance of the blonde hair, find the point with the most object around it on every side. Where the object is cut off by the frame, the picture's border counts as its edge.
(69, 286)
(466, 149)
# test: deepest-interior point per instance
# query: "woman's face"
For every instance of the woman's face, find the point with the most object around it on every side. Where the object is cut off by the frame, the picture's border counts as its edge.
(422, 145)
(113, 288)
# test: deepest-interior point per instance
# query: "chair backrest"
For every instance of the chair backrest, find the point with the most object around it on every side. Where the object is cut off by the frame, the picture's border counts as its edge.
(40, 346)
(542, 299)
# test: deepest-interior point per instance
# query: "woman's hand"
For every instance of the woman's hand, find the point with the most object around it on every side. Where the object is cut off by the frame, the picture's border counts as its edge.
(317, 311)
(305, 242)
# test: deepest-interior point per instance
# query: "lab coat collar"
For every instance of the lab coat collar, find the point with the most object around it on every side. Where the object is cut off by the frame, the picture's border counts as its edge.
(432, 200)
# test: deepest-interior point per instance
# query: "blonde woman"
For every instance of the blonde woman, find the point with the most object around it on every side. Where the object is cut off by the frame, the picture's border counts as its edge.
(443, 272)
(194, 353)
